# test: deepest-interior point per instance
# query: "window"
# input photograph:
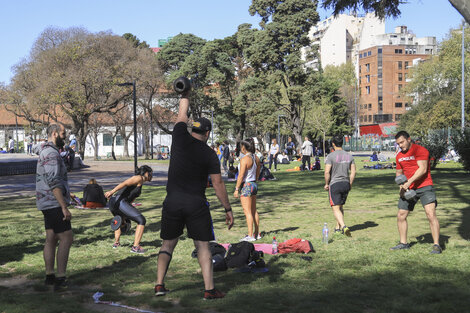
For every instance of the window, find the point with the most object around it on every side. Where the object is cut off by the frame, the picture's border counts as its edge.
(360, 80)
(400, 86)
(119, 141)
(368, 90)
(397, 117)
(365, 54)
(360, 69)
(107, 140)
(370, 106)
(379, 51)
(368, 78)
(369, 53)
(398, 104)
(400, 77)
(368, 67)
(406, 65)
(406, 76)
(400, 65)
(398, 51)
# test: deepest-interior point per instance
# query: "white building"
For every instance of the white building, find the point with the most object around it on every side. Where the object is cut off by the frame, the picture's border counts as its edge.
(340, 38)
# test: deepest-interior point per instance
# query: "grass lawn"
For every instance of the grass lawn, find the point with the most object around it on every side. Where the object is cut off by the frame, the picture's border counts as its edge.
(357, 274)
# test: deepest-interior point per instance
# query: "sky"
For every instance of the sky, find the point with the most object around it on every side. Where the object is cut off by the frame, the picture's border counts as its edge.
(22, 21)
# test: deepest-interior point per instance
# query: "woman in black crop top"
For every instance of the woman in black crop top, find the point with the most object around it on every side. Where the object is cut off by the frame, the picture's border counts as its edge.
(121, 204)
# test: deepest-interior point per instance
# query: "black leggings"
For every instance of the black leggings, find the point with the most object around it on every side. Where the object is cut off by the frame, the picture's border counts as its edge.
(128, 211)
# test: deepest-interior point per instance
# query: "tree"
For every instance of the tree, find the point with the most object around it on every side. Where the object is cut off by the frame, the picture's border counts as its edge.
(321, 120)
(386, 8)
(275, 54)
(77, 76)
(435, 87)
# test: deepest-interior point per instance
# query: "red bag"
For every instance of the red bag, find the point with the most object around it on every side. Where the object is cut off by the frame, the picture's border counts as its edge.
(295, 245)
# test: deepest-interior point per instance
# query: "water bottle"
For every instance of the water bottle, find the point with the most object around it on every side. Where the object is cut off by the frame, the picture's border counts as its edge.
(274, 245)
(325, 232)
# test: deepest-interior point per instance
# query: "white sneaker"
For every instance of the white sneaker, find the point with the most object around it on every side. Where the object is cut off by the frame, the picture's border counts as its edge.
(258, 237)
(248, 238)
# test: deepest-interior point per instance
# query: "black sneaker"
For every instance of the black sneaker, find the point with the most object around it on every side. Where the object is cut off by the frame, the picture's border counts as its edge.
(50, 279)
(436, 249)
(213, 294)
(60, 284)
(401, 246)
(160, 290)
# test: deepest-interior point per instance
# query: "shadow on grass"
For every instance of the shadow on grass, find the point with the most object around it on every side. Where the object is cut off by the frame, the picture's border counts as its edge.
(17, 251)
(427, 238)
(364, 225)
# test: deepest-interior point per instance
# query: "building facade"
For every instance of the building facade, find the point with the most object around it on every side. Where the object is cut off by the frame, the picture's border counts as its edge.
(340, 38)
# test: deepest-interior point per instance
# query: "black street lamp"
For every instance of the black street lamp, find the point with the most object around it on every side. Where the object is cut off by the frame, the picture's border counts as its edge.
(134, 100)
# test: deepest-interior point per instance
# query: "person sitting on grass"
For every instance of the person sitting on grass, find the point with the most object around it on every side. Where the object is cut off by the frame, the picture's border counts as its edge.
(93, 195)
(250, 167)
(121, 204)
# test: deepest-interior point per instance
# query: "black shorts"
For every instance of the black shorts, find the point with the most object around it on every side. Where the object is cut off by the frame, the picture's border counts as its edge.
(53, 219)
(339, 193)
(181, 210)
(425, 194)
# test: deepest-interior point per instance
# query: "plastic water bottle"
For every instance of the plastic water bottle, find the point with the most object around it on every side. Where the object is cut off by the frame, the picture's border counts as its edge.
(325, 233)
(274, 245)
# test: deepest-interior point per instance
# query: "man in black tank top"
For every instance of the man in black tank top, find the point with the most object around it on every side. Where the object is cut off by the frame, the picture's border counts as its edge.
(192, 161)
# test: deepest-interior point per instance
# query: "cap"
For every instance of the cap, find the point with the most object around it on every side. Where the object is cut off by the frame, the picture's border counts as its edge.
(202, 124)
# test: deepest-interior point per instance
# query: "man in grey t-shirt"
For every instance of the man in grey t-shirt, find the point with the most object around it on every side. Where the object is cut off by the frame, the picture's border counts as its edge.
(340, 171)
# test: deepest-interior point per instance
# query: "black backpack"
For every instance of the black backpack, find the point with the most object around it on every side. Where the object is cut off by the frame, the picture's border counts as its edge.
(239, 254)
(218, 252)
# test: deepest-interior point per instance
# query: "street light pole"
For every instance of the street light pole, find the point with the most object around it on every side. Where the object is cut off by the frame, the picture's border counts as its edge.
(463, 76)
(279, 130)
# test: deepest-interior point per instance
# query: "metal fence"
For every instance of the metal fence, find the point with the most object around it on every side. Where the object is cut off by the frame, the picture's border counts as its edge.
(369, 143)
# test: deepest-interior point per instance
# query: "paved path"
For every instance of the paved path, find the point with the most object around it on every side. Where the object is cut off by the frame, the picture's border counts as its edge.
(107, 173)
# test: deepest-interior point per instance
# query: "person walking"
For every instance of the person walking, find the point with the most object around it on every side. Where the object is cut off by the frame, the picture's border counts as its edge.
(192, 161)
(226, 156)
(273, 152)
(52, 199)
(29, 144)
(413, 162)
(11, 145)
(307, 152)
(340, 171)
(121, 204)
(247, 189)
(290, 147)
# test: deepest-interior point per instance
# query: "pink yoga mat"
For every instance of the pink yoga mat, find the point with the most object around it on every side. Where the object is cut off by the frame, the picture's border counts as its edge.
(267, 248)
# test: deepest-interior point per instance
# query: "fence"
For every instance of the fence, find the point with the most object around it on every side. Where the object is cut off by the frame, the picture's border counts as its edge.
(369, 142)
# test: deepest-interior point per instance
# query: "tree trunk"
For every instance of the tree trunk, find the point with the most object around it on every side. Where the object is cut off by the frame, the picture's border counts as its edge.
(112, 144)
(463, 6)
(95, 139)
(324, 152)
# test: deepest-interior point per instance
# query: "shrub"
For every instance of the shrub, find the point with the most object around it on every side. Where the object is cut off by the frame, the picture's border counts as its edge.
(436, 143)
(461, 143)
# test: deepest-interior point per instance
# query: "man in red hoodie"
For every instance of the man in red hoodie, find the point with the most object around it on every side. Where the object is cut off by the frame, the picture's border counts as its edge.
(413, 162)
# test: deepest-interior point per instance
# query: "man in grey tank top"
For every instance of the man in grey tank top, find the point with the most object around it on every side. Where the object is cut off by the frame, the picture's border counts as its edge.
(340, 171)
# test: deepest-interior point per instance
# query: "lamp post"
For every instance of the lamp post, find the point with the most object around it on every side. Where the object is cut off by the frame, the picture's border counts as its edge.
(279, 129)
(151, 131)
(463, 76)
(134, 100)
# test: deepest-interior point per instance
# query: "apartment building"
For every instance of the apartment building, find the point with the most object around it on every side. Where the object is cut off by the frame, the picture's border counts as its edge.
(383, 72)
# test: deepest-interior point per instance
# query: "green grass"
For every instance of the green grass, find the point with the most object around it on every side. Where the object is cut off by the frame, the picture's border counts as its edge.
(357, 274)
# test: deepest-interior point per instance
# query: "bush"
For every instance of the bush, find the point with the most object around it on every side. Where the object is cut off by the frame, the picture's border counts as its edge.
(436, 143)
(461, 143)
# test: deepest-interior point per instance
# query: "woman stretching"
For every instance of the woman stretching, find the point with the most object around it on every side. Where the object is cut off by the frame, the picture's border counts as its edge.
(121, 204)
(248, 173)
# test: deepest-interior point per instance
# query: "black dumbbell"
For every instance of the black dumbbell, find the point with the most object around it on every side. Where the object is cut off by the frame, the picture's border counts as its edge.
(116, 222)
(182, 84)
(410, 193)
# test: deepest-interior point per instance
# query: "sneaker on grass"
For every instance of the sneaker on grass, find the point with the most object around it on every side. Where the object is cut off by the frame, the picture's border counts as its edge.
(436, 249)
(60, 284)
(248, 238)
(213, 294)
(160, 290)
(116, 245)
(346, 231)
(401, 246)
(138, 249)
(50, 279)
